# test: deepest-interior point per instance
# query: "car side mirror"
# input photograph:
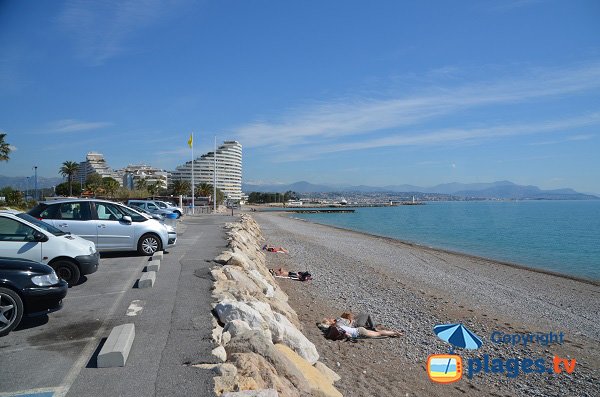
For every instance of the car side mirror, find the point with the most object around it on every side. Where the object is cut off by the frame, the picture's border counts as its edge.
(39, 237)
(126, 219)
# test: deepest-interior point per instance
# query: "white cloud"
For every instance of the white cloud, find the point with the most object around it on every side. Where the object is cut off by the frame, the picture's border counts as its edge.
(73, 125)
(102, 28)
(447, 136)
(364, 117)
(12, 148)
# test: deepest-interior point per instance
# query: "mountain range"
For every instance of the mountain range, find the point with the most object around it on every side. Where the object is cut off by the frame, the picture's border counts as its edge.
(497, 190)
(21, 182)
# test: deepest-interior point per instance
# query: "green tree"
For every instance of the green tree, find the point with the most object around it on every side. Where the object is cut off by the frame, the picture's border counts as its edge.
(141, 184)
(220, 197)
(68, 169)
(154, 188)
(204, 190)
(62, 189)
(181, 187)
(5, 149)
(93, 183)
(110, 186)
(13, 198)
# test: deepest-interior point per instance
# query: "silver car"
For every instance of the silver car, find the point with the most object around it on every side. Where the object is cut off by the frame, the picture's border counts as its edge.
(111, 226)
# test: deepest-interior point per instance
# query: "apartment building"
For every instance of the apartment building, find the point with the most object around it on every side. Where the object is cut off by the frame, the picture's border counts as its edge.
(228, 170)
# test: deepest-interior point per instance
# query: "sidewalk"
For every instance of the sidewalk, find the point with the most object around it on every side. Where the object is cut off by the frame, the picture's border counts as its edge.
(173, 330)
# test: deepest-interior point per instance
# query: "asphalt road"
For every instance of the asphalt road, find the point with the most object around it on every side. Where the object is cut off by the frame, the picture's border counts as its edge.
(55, 355)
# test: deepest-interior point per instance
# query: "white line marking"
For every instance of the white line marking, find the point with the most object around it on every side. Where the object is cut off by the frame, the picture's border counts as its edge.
(29, 391)
(135, 308)
(93, 295)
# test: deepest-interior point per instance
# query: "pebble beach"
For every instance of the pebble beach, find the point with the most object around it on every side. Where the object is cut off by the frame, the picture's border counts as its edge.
(413, 288)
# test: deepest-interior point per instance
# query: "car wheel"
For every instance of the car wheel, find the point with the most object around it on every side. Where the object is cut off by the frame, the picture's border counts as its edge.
(67, 270)
(11, 310)
(149, 244)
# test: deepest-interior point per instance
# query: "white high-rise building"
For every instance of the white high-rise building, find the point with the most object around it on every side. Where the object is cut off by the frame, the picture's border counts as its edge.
(95, 163)
(229, 170)
(132, 174)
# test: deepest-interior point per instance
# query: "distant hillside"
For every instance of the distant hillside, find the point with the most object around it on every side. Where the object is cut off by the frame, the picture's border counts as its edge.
(20, 182)
(497, 190)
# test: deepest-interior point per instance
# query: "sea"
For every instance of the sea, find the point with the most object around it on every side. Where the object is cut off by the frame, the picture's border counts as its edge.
(557, 236)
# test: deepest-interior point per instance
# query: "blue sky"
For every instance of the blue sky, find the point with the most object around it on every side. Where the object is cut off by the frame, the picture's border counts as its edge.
(377, 93)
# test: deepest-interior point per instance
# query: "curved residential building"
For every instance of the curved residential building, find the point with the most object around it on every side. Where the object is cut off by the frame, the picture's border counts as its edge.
(229, 169)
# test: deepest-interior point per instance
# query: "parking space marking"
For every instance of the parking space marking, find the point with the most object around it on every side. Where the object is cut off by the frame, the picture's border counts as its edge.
(89, 349)
(40, 392)
(70, 342)
(94, 295)
(135, 308)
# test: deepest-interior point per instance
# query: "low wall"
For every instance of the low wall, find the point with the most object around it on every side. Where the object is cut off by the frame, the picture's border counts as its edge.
(257, 333)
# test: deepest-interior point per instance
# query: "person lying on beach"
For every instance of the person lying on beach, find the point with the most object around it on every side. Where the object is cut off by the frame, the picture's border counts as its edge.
(281, 272)
(350, 320)
(270, 248)
(337, 331)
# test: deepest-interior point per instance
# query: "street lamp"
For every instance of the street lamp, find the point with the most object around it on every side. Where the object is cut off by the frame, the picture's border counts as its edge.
(27, 190)
(35, 184)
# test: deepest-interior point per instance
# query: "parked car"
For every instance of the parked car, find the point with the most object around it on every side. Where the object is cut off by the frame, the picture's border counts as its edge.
(24, 237)
(27, 288)
(148, 213)
(151, 206)
(165, 205)
(111, 226)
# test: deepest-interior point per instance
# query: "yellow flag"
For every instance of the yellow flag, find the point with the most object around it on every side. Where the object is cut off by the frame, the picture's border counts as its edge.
(191, 140)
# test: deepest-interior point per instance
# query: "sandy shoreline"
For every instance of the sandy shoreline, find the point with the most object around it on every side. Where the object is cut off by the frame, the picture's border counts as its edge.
(414, 288)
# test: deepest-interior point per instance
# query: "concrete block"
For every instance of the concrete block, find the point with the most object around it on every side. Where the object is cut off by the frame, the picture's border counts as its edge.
(153, 266)
(116, 349)
(157, 256)
(147, 280)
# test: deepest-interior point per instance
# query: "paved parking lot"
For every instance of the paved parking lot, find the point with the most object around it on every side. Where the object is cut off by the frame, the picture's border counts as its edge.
(55, 355)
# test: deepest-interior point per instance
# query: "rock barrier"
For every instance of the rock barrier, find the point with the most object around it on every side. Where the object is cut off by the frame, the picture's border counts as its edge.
(257, 334)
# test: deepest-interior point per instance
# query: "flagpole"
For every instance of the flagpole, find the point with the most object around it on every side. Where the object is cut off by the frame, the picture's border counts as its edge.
(215, 178)
(193, 198)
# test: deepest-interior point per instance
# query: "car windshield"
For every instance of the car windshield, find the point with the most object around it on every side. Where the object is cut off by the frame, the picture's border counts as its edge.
(161, 204)
(41, 224)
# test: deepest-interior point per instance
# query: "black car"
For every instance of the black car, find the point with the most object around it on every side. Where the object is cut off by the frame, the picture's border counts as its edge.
(27, 288)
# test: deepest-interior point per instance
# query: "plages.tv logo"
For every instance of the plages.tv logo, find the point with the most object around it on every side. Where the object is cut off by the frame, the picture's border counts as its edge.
(448, 368)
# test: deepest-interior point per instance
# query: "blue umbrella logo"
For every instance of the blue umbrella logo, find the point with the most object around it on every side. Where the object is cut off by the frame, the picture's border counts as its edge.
(458, 335)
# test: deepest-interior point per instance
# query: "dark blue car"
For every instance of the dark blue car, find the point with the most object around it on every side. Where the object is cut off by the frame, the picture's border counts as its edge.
(29, 289)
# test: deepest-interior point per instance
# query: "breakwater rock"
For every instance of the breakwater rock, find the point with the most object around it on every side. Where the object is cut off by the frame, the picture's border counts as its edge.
(258, 335)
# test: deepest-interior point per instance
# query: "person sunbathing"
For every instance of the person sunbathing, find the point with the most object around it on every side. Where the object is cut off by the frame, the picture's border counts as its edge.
(281, 272)
(270, 248)
(350, 320)
(354, 332)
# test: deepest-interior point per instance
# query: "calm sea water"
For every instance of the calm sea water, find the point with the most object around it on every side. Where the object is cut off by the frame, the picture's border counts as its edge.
(560, 236)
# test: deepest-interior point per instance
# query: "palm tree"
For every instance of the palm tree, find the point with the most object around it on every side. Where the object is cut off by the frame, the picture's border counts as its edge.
(204, 189)
(68, 169)
(181, 187)
(153, 188)
(141, 184)
(110, 186)
(5, 149)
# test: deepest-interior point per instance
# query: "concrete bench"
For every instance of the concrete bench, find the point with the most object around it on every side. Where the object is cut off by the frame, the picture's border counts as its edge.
(147, 280)
(158, 255)
(153, 266)
(116, 349)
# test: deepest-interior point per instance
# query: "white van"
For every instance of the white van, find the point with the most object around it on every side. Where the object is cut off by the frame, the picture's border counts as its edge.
(23, 236)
